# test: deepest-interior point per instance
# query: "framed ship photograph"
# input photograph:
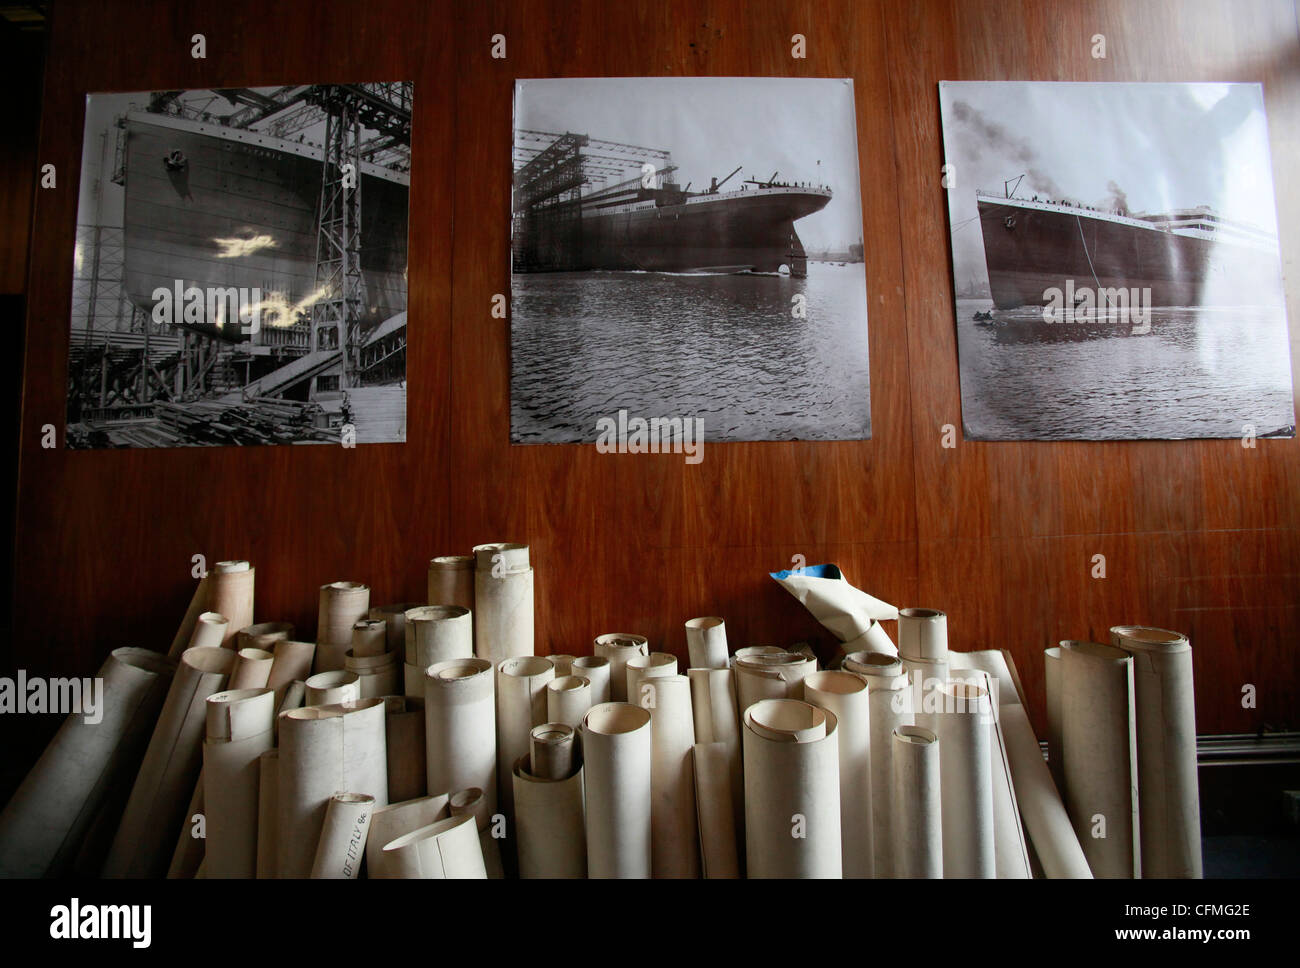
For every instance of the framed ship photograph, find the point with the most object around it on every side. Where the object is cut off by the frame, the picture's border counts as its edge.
(1115, 261)
(688, 250)
(240, 267)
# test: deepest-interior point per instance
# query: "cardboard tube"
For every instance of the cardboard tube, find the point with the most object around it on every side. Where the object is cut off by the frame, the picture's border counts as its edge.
(369, 637)
(263, 635)
(616, 750)
(845, 694)
(446, 850)
(706, 642)
(552, 752)
(407, 760)
(390, 822)
(239, 731)
(922, 635)
(773, 676)
(1097, 723)
(716, 809)
(618, 647)
(473, 801)
(917, 829)
(252, 669)
(640, 667)
(230, 592)
(567, 700)
(343, 836)
(268, 813)
(792, 800)
(198, 605)
(717, 720)
(292, 663)
(596, 670)
(325, 688)
(325, 750)
(889, 702)
(563, 663)
(1165, 705)
(376, 674)
(866, 663)
(435, 633)
(549, 826)
(43, 824)
(521, 705)
(451, 581)
(295, 695)
(170, 769)
(342, 605)
(966, 780)
(394, 617)
(747, 651)
(674, 838)
(460, 728)
(503, 606)
(1055, 749)
(209, 630)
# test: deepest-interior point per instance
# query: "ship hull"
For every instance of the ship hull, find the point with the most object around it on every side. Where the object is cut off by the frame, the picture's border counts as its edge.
(1030, 251)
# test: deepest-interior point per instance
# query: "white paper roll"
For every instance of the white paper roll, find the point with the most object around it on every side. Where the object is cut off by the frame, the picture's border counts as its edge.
(549, 825)
(706, 642)
(567, 700)
(1055, 749)
(268, 813)
(370, 637)
(460, 728)
(716, 810)
(563, 663)
(596, 670)
(147, 833)
(393, 821)
(1165, 706)
(923, 635)
(325, 688)
(394, 617)
(209, 630)
(376, 674)
(674, 838)
(230, 592)
(292, 663)
(618, 647)
(616, 750)
(263, 635)
(43, 824)
(553, 752)
(966, 780)
(641, 667)
(342, 605)
(792, 792)
(889, 701)
(239, 731)
(917, 828)
(343, 836)
(404, 730)
(326, 750)
(472, 801)
(446, 850)
(438, 633)
(717, 720)
(252, 669)
(772, 676)
(846, 611)
(845, 694)
(503, 605)
(521, 704)
(1100, 784)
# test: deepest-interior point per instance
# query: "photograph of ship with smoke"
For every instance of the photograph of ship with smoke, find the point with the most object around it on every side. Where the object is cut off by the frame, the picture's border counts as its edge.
(240, 267)
(688, 248)
(1115, 261)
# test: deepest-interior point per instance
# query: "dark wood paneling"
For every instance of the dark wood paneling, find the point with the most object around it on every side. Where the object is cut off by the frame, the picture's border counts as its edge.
(1201, 536)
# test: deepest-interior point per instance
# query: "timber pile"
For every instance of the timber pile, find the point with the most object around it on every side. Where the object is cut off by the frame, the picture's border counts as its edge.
(254, 422)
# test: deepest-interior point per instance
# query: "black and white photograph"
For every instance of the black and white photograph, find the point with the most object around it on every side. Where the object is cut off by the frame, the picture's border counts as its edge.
(1115, 261)
(687, 248)
(240, 267)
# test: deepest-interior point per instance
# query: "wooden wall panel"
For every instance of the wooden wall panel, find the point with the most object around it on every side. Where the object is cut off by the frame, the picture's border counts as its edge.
(1201, 536)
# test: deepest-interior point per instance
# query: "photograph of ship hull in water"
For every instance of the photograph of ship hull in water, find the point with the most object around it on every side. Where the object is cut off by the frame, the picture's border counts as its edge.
(1115, 261)
(240, 268)
(688, 248)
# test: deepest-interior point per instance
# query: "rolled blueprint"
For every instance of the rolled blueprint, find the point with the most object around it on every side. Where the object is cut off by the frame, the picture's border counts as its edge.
(252, 669)
(369, 637)
(376, 674)
(268, 813)
(845, 694)
(567, 700)
(890, 705)
(917, 830)
(435, 633)
(596, 670)
(230, 592)
(239, 731)
(872, 664)
(549, 825)
(1169, 798)
(472, 801)
(775, 676)
(674, 837)
(553, 753)
(93, 753)
(395, 820)
(706, 642)
(616, 751)
(719, 837)
(640, 667)
(922, 635)
(747, 651)
(460, 728)
(263, 635)
(1055, 749)
(563, 663)
(154, 813)
(342, 605)
(326, 750)
(792, 794)
(521, 704)
(852, 616)
(717, 720)
(503, 605)
(965, 724)
(394, 617)
(343, 836)
(1097, 723)
(451, 581)
(448, 849)
(325, 688)
(292, 663)
(618, 647)
(209, 630)
(405, 739)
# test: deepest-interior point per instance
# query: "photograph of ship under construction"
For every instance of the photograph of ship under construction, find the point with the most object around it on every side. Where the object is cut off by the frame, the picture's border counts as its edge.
(240, 267)
(1115, 261)
(688, 248)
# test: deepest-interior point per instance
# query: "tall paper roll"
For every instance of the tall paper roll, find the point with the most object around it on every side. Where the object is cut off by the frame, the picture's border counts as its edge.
(521, 705)
(448, 849)
(549, 824)
(792, 792)
(641, 667)
(567, 700)
(94, 752)
(503, 605)
(263, 635)
(435, 633)
(268, 813)
(717, 720)
(553, 752)
(845, 694)
(1169, 797)
(394, 617)
(706, 642)
(674, 837)
(154, 812)
(966, 780)
(376, 674)
(1055, 737)
(252, 669)
(326, 750)
(292, 663)
(1100, 794)
(596, 670)
(889, 702)
(209, 630)
(343, 836)
(618, 647)
(239, 731)
(616, 750)
(407, 759)
(451, 581)
(772, 676)
(230, 592)
(472, 801)
(325, 688)
(369, 637)
(395, 820)
(917, 828)
(342, 605)
(716, 810)
(460, 728)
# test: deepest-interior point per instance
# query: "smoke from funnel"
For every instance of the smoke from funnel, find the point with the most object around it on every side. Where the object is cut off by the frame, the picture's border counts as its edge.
(1013, 148)
(1117, 200)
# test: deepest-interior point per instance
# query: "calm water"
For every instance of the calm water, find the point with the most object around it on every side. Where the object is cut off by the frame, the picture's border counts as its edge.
(1200, 372)
(721, 347)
